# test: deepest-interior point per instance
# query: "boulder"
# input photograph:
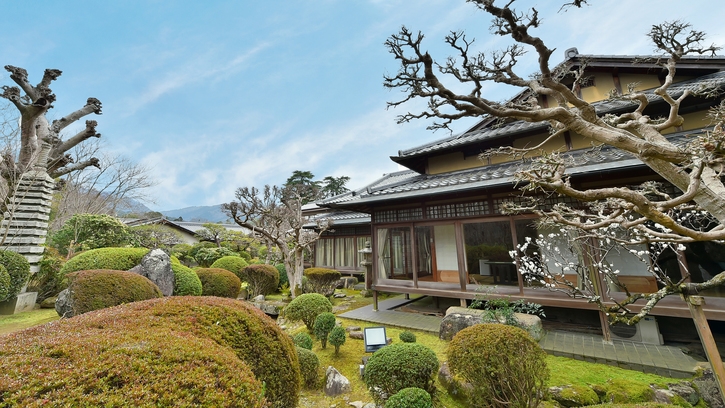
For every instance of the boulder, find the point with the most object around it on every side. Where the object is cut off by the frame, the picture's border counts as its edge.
(336, 383)
(708, 389)
(574, 395)
(64, 304)
(48, 303)
(270, 307)
(458, 318)
(347, 282)
(156, 266)
(357, 335)
(258, 298)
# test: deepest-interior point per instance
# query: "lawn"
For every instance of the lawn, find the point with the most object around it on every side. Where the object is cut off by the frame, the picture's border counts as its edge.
(20, 321)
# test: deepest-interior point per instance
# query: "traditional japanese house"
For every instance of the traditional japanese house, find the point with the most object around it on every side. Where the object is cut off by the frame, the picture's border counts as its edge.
(437, 228)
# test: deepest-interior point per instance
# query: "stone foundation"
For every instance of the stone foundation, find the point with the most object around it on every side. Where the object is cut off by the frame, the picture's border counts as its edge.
(22, 303)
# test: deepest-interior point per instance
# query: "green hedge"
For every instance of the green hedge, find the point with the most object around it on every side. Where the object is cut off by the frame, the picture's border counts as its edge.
(303, 340)
(173, 351)
(309, 367)
(219, 282)
(186, 281)
(306, 307)
(99, 289)
(233, 264)
(19, 270)
(501, 362)
(5, 283)
(410, 398)
(118, 259)
(398, 366)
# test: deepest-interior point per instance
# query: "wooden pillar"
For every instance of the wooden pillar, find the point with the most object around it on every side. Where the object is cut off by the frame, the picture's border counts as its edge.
(708, 342)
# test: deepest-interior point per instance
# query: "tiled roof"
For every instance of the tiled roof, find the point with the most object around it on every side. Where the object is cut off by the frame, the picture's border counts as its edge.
(608, 106)
(415, 184)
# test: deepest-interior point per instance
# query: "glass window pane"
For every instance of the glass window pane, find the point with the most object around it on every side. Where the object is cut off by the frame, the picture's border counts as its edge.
(394, 253)
(487, 253)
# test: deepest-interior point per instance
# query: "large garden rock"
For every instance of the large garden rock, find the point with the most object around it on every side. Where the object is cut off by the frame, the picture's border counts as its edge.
(156, 266)
(455, 388)
(458, 318)
(64, 304)
(336, 383)
(574, 395)
(709, 390)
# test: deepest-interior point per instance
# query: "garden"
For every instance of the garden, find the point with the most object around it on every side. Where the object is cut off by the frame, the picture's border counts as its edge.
(195, 336)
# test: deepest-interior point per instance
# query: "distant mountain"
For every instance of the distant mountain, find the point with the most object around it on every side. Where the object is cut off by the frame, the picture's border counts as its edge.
(131, 206)
(206, 213)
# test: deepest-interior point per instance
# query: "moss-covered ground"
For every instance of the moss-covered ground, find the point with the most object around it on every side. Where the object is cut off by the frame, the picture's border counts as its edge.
(563, 370)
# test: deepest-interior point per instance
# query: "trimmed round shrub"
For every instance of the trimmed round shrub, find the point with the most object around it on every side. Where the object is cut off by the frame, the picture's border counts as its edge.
(186, 281)
(337, 338)
(410, 398)
(90, 231)
(219, 282)
(160, 352)
(19, 270)
(407, 337)
(324, 323)
(117, 259)
(5, 283)
(309, 367)
(262, 279)
(283, 279)
(303, 340)
(245, 256)
(99, 289)
(233, 264)
(306, 307)
(398, 366)
(322, 280)
(502, 363)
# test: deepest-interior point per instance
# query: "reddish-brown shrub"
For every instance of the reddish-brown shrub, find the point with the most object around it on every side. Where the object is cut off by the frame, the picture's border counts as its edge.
(180, 351)
(218, 282)
(99, 289)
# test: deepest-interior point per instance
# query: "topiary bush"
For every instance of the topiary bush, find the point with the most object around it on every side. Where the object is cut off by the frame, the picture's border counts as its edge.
(283, 278)
(410, 398)
(161, 352)
(306, 307)
(99, 289)
(505, 366)
(263, 279)
(309, 367)
(322, 280)
(5, 283)
(90, 231)
(117, 259)
(303, 340)
(398, 366)
(19, 270)
(219, 282)
(324, 323)
(337, 338)
(186, 281)
(407, 337)
(233, 264)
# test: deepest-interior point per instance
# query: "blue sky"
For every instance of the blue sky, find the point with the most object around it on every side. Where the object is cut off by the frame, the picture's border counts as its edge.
(215, 95)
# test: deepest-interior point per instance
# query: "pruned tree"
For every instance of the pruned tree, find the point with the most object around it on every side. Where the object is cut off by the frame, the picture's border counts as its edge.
(40, 141)
(651, 216)
(650, 213)
(274, 214)
(215, 233)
